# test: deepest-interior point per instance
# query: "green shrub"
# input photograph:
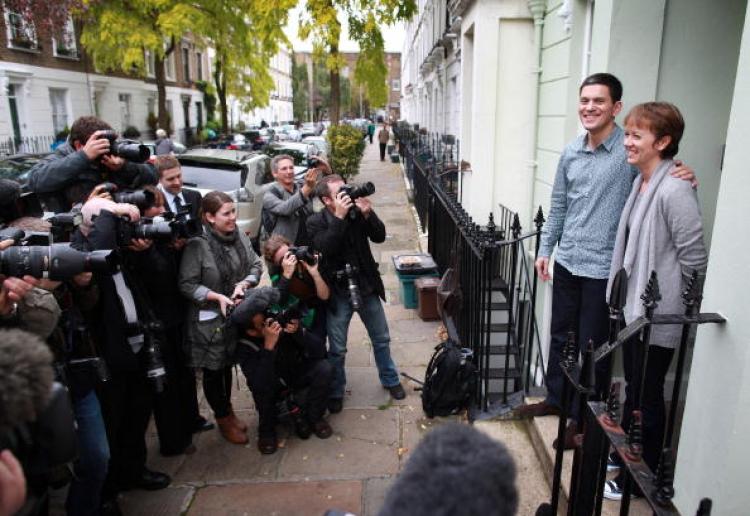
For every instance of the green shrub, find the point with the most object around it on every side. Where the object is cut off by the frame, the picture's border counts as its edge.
(346, 149)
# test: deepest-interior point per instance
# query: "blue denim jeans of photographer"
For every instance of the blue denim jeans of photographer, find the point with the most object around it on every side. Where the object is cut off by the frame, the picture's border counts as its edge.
(373, 316)
(90, 470)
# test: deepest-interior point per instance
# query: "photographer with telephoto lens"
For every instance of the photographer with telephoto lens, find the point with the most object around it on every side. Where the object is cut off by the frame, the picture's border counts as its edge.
(92, 155)
(278, 359)
(349, 267)
(216, 269)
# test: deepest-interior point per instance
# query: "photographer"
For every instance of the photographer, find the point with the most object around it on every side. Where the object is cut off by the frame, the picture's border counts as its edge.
(287, 205)
(129, 341)
(351, 270)
(216, 269)
(273, 351)
(66, 177)
(300, 284)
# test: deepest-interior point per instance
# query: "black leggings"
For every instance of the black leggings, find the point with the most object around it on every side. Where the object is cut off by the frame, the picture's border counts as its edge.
(217, 386)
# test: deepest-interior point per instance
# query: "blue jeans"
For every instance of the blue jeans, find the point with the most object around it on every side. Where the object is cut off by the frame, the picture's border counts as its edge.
(372, 315)
(90, 470)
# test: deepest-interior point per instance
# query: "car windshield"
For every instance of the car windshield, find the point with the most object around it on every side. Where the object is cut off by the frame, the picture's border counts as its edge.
(17, 168)
(211, 176)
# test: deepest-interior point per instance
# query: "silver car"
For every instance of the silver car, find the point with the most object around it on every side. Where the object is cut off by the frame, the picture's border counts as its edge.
(241, 174)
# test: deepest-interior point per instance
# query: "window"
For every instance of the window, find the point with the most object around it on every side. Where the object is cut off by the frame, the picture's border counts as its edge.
(64, 44)
(186, 64)
(21, 32)
(124, 110)
(151, 105)
(396, 85)
(199, 66)
(150, 64)
(169, 66)
(59, 102)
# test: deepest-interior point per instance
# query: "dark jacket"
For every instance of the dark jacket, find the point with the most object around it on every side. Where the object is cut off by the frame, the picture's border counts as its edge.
(347, 241)
(67, 177)
(159, 267)
(193, 198)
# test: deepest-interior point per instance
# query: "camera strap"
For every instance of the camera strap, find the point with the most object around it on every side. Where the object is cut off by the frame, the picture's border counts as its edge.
(131, 314)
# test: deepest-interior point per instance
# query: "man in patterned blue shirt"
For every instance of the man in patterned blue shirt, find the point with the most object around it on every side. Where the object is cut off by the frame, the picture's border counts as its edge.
(592, 183)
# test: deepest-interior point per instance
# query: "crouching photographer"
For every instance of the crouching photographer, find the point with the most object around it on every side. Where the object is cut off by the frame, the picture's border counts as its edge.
(130, 339)
(274, 352)
(295, 274)
(342, 233)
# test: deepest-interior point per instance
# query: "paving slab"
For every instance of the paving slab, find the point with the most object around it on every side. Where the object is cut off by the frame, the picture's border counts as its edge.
(374, 495)
(279, 498)
(166, 502)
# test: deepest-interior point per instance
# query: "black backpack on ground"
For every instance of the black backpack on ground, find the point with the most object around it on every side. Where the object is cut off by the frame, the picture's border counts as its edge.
(450, 381)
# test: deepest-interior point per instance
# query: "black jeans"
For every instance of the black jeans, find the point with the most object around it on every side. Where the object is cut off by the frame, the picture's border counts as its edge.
(579, 305)
(265, 384)
(127, 400)
(174, 406)
(653, 410)
(217, 386)
(382, 151)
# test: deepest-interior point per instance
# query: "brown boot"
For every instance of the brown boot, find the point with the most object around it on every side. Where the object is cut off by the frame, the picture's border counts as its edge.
(230, 431)
(237, 421)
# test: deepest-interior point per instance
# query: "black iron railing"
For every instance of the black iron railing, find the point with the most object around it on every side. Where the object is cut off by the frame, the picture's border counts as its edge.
(26, 145)
(599, 426)
(493, 264)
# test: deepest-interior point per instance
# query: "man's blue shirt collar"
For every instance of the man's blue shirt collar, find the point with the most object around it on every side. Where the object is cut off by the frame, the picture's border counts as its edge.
(607, 144)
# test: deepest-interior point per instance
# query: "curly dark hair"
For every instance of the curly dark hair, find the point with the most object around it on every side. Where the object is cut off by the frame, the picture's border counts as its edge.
(85, 126)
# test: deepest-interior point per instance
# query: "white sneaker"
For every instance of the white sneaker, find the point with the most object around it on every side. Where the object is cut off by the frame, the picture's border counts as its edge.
(612, 491)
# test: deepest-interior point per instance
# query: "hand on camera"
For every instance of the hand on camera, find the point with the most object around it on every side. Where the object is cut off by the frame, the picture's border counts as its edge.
(12, 484)
(101, 192)
(239, 292)
(114, 163)
(311, 178)
(6, 244)
(140, 244)
(292, 326)
(271, 332)
(223, 301)
(288, 264)
(364, 205)
(96, 147)
(127, 210)
(312, 269)
(342, 204)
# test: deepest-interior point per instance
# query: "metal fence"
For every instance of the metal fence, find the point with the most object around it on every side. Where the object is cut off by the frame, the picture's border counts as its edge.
(600, 426)
(493, 269)
(26, 145)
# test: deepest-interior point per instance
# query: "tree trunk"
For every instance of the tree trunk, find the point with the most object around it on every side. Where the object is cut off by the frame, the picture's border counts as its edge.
(220, 82)
(335, 90)
(161, 93)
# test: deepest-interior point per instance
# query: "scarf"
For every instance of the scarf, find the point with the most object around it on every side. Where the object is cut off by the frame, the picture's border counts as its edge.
(221, 246)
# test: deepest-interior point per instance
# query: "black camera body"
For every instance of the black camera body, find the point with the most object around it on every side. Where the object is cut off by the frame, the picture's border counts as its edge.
(283, 316)
(183, 224)
(355, 192)
(21, 237)
(143, 229)
(64, 224)
(143, 199)
(303, 253)
(126, 149)
(56, 262)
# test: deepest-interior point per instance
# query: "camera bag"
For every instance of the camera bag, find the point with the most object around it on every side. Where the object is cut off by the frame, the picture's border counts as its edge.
(450, 381)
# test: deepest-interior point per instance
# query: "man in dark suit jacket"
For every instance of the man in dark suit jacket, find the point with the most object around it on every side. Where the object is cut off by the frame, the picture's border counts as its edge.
(170, 183)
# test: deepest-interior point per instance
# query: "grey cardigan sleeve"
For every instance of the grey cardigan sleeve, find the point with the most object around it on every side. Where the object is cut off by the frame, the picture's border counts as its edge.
(683, 218)
(190, 272)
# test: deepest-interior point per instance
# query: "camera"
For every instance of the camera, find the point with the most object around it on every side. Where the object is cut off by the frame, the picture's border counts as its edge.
(21, 237)
(349, 274)
(143, 199)
(56, 262)
(283, 316)
(355, 192)
(183, 224)
(64, 224)
(145, 228)
(303, 254)
(152, 360)
(126, 149)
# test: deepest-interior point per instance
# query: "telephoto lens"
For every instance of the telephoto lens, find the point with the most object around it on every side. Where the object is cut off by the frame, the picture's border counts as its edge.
(126, 149)
(56, 262)
(141, 198)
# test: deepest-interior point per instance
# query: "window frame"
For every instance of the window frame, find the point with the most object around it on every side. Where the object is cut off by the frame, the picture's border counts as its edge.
(27, 27)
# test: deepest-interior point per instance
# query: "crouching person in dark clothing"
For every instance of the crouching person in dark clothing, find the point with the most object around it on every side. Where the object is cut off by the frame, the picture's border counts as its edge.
(277, 359)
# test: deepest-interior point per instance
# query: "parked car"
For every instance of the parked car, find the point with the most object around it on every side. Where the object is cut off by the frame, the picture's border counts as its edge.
(309, 129)
(17, 167)
(241, 174)
(292, 132)
(266, 135)
(320, 143)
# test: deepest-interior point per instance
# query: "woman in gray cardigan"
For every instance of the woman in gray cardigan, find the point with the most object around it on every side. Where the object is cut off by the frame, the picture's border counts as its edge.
(660, 230)
(215, 270)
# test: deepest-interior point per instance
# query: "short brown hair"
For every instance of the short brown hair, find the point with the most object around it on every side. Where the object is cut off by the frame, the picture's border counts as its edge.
(273, 244)
(165, 162)
(212, 202)
(85, 126)
(322, 189)
(662, 119)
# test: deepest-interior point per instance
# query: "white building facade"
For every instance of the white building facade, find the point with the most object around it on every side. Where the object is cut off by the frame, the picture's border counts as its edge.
(279, 109)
